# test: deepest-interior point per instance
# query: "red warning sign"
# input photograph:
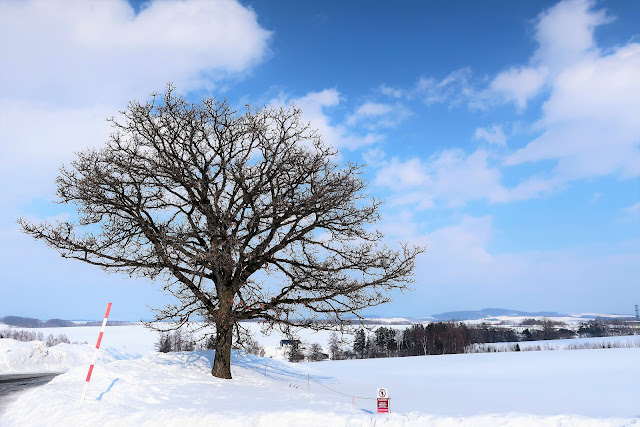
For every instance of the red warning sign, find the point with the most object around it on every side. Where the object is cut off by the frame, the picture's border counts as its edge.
(383, 401)
(383, 405)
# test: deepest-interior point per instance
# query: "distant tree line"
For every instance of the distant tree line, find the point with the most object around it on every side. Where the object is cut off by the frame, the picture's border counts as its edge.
(418, 340)
(457, 337)
(609, 327)
(26, 336)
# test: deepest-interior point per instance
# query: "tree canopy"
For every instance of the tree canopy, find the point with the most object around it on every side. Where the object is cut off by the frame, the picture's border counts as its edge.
(240, 215)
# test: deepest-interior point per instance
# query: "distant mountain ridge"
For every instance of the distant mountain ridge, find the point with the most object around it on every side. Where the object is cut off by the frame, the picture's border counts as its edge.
(492, 312)
(29, 322)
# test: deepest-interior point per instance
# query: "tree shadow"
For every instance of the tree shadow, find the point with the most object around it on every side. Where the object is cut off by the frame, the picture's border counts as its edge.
(271, 368)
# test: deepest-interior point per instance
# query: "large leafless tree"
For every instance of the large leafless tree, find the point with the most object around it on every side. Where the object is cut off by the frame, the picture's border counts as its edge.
(243, 216)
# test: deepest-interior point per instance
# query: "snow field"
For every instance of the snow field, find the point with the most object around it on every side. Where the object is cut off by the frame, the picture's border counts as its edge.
(554, 388)
(539, 388)
(593, 383)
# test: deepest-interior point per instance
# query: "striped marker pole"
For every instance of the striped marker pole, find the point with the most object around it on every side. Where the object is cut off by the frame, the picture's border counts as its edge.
(95, 354)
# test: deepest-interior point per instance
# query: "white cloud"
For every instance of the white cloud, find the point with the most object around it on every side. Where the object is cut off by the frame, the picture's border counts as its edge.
(314, 107)
(68, 65)
(392, 92)
(85, 52)
(589, 125)
(369, 110)
(564, 34)
(590, 121)
(518, 84)
(450, 177)
(460, 178)
(454, 89)
(493, 135)
(375, 115)
(532, 187)
(401, 175)
(588, 128)
(631, 213)
(374, 157)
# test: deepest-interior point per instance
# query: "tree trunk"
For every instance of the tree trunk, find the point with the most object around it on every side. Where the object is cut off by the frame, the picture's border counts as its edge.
(222, 360)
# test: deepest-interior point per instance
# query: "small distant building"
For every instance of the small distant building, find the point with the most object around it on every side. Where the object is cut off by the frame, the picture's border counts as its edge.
(289, 343)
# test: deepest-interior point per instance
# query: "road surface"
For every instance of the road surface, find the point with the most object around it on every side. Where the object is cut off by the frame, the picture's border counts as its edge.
(11, 385)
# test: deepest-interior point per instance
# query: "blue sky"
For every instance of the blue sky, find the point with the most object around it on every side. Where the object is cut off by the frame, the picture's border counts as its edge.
(504, 135)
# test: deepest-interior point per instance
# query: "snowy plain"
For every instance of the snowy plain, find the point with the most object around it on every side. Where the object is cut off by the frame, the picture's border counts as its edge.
(133, 385)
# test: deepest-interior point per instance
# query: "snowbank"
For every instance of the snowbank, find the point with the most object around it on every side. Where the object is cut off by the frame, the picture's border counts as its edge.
(18, 357)
(568, 388)
(134, 339)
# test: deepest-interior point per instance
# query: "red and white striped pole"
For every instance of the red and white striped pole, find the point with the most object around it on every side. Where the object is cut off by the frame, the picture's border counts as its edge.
(95, 354)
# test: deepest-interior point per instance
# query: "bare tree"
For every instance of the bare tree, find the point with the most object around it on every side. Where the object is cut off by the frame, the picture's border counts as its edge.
(315, 352)
(334, 346)
(243, 216)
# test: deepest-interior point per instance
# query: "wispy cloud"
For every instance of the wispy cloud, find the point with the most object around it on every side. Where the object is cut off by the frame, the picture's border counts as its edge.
(316, 107)
(392, 92)
(454, 89)
(451, 178)
(376, 115)
(589, 125)
(631, 213)
(493, 135)
(590, 96)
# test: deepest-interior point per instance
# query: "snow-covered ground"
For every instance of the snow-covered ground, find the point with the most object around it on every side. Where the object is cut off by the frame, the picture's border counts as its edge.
(579, 387)
(132, 385)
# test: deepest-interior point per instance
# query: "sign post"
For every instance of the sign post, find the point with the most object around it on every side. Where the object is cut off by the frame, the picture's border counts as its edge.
(383, 401)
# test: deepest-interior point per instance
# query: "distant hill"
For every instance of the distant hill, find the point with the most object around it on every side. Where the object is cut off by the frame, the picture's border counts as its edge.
(29, 322)
(491, 312)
